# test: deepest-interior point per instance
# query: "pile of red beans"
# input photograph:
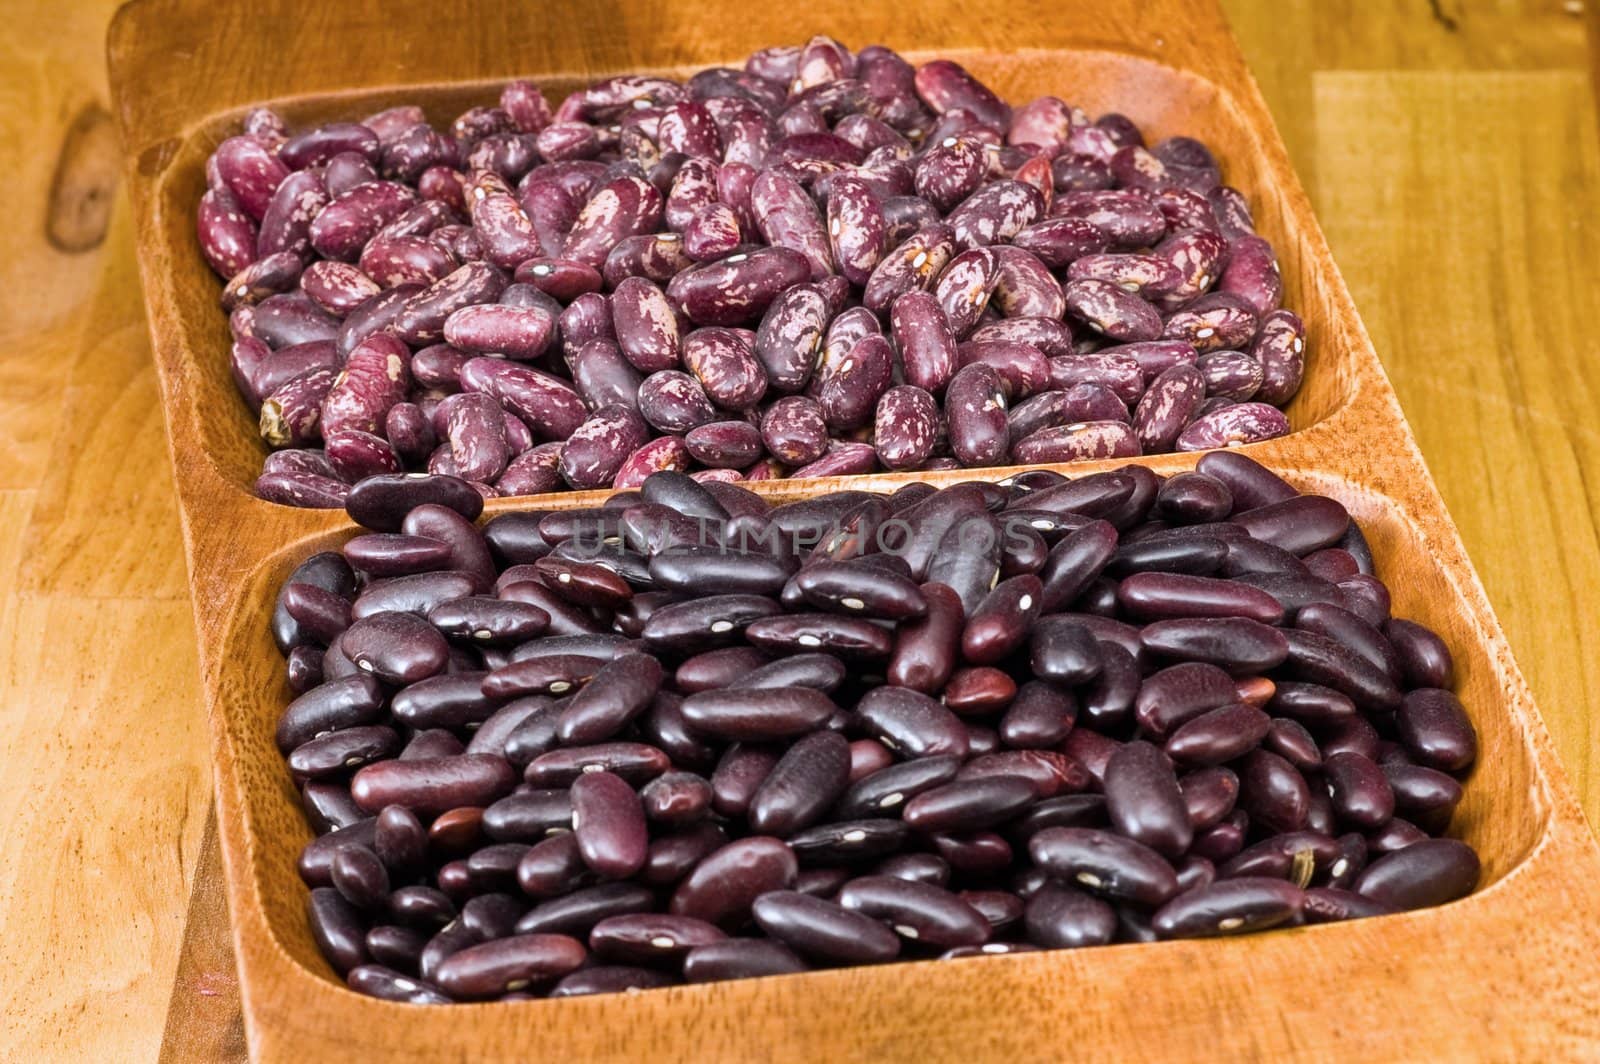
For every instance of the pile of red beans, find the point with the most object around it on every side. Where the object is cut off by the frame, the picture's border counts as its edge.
(823, 263)
(686, 736)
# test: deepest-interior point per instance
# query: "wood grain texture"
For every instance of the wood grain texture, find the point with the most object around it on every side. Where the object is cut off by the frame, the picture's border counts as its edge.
(1501, 151)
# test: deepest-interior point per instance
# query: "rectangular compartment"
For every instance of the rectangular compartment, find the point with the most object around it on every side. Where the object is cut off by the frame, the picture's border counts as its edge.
(1508, 972)
(1162, 99)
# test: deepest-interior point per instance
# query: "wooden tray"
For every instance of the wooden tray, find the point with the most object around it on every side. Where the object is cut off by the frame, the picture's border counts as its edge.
(1508, 972)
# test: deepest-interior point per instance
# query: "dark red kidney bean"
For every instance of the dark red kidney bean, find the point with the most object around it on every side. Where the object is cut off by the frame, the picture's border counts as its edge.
(1158, 596)
(921, 912)
(651, 938)
(360, 877)
(577, 913)
(1229, 906)
(849, 637)
(1367, 598)
(911, 723)
(338, 929)
(609, 823)
(396, 647)
(488, 622)
(1423, 793)
(802, 786)
(969, 804)
(888, 789)
(737, 777)
(821, 671)
(1194, 498)
(1209, 795)
(714, 570)
(490, 969)
(433, 785)
(824, 930)
(1300, 525)
(751, 716)
(725, 884)
(1425, 873)
(1219, 735)
(493, 915)
(381, 503)
(315, 864)
(721, 668)
(1436, 731)
(1238, 644)
(553, 867)
(528, 816)
(1273, 792)
(1294, 855)
(1344, 627)
(1354, 733)
(548, 674)
(1359, 790)
(1144, 801)
(706, 621)
(673, 856)
(382, 554)
(1106, 864)
(1311, 703)
(342, 703)
(979, 690)
(925, 650)
(1074, 562)
(1252, 485)
(1317, 659)
(1291, 740)
(303, 668)
(1064, 811)
(610, 979)
(1059, 917)
(616, 694)
(859, 589)
(1331, 904)
(450, 701)
(1394, 836)
(739, 958)
(915, 868)
(1064, 652)
(1040, 716)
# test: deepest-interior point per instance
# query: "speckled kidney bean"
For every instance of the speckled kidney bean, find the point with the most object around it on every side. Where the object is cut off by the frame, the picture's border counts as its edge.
(1230, 374)
(726, 366)
(739, 288)
(905, 427)
(1112, 311)
(673, 401)
(549, 407)
(1167, 407)
(597, 448)
(975, 407)
(1077, 441)
(725, 444)
(794, 431)
(788, 218)
(847, 388)
(918, 263)
(1234, 425)
(646, 325)
(602, 376)
(623, 207)
(1279, 346)
(790, 337)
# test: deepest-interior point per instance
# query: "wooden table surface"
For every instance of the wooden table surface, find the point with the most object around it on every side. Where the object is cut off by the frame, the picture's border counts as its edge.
(1449, 147)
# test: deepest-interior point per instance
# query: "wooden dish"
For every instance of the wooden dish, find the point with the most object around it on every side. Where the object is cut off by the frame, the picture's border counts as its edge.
(1508, 972)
